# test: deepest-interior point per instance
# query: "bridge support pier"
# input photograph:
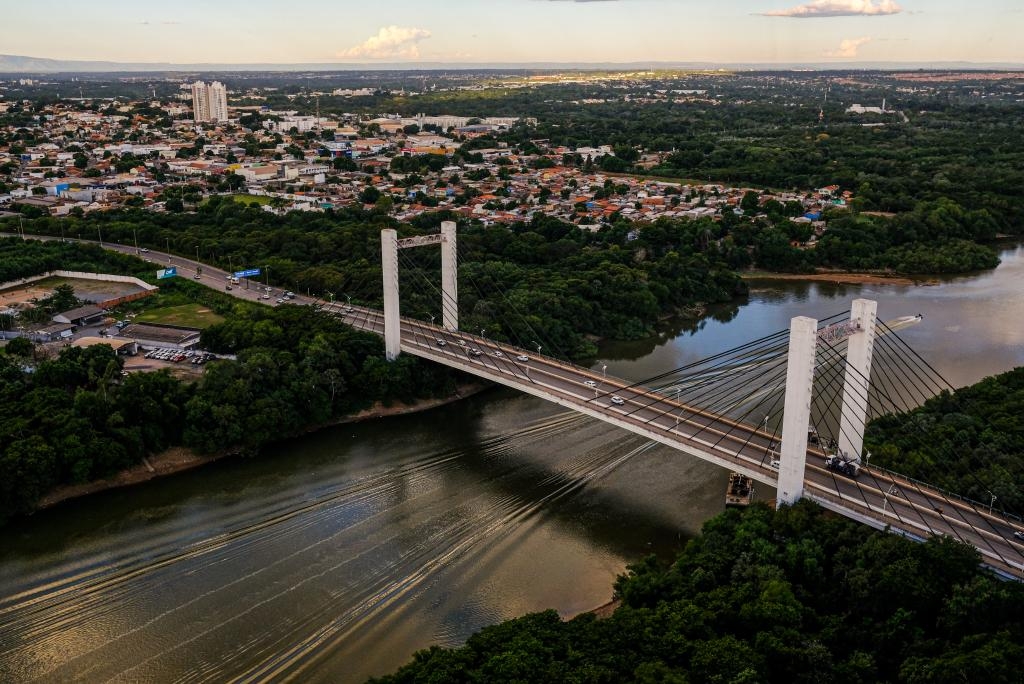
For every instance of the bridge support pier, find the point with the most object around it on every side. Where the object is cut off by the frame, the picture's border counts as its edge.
(449, 277)
(860, 346)
(392, 322)
(803, 341)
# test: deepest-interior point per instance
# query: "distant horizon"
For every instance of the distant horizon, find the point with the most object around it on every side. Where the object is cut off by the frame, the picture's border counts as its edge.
(25, 64)
(470, 32)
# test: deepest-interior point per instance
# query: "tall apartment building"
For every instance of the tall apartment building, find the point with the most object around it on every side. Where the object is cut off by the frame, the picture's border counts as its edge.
(209, 102)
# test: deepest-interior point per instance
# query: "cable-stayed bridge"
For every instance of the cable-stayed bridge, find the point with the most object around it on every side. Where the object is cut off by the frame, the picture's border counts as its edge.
(788, 410)
(776, 409)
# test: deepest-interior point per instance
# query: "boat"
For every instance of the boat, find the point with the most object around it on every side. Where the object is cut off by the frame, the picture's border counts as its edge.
(740, 491)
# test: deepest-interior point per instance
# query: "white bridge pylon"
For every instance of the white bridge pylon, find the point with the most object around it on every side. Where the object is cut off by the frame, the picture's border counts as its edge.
(389, 246)
(859, 332)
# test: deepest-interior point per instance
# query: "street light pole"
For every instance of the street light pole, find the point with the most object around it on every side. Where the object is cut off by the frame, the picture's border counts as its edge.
(894, 492)
(991, 502)
(168, 250)
(135, 237)
(604, 371)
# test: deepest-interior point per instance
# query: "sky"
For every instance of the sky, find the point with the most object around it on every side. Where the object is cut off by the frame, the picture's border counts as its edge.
(489, 31)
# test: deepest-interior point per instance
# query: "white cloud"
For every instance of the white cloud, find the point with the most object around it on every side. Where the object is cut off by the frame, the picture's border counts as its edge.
(848, 47)
(390, 42)
(838, 8)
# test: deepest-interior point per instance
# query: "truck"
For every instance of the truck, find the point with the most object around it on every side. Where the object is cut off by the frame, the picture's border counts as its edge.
(842, 463)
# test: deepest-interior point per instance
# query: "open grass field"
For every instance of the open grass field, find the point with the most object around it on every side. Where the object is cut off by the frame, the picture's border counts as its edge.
(188, 315)
(248, 199)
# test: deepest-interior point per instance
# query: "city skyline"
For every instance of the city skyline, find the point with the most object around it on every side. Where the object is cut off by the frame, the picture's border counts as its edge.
(524, 31)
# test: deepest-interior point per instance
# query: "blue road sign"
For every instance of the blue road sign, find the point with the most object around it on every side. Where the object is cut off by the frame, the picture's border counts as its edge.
(247, 273)
(167, 273)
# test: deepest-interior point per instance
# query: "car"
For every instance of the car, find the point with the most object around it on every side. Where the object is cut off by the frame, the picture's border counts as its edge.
(475, 352)
(289, 293)
(462, 343)
(617, 400)
(775, 463)
(498, 354)
(228, 288)
(349, 309)
(144, 250)
(523, 357)
(440, 343)
(265, 296)
(590, 383)
(196, 277)
(280, 301)
(1019, 535)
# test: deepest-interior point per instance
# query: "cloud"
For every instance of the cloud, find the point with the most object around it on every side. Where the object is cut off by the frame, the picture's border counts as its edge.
(838, 8)
(848, 47)
(389, 43)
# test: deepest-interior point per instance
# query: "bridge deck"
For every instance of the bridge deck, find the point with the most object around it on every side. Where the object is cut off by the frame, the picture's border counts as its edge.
(876, 498)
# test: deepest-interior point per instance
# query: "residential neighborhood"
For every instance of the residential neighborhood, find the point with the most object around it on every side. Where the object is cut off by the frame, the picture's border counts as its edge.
(80, 155)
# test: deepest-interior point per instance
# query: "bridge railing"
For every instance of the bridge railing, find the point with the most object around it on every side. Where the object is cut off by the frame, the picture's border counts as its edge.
(979, 506)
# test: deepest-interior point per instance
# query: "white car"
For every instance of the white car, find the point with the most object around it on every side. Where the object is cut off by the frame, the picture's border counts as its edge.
(440, 343)
(590, 383)
(523, 357)
(498, 354)
(265, 296)
(617, 400)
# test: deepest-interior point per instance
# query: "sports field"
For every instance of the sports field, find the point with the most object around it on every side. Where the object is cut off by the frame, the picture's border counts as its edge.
(187, 315)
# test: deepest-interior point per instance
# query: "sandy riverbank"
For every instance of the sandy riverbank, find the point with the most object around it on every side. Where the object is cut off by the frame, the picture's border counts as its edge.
(838, 278)
(178, 459)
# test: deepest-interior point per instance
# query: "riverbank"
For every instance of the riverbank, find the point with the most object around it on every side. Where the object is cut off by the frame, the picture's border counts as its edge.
(839, 277)
(178, 459)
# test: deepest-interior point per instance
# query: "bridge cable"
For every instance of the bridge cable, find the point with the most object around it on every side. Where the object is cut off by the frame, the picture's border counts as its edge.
(942, 494)
(974, 476)
(414, 270)
(541, 339)
(834, 371)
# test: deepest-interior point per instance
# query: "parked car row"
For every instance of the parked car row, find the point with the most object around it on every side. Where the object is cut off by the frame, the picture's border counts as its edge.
(177, 356)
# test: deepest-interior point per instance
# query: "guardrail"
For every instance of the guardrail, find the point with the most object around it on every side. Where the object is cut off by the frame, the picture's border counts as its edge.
(978, 505)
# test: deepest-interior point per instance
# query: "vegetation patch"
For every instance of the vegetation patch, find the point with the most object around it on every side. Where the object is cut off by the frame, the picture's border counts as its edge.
(187, 315)
(796, 595)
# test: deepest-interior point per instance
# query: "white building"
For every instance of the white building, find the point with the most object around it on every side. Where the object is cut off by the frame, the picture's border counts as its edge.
(209, 102)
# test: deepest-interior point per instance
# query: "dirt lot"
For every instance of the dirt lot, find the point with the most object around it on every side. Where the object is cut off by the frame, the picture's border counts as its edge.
(89, 290)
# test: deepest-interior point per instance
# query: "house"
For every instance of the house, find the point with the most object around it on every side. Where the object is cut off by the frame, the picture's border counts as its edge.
(83, 315)
(120, 346)
(57, 331)
(159, 336)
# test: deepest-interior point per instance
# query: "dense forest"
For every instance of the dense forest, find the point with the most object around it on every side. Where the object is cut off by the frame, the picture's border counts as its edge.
(545, 280)
(796, 595)
(969, 441)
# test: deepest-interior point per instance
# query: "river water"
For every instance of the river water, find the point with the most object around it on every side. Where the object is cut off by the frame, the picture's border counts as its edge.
(334, 557)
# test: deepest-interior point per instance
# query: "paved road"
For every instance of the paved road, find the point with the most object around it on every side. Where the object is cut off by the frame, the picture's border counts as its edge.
(876, 497)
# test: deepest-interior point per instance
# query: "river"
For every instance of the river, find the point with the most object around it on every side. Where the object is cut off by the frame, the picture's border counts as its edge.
(335, 556)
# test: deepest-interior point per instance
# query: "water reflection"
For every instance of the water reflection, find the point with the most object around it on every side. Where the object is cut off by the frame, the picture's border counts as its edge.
(337, 555)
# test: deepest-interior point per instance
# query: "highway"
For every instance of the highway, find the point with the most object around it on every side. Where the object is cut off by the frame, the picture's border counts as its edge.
(876, 497)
